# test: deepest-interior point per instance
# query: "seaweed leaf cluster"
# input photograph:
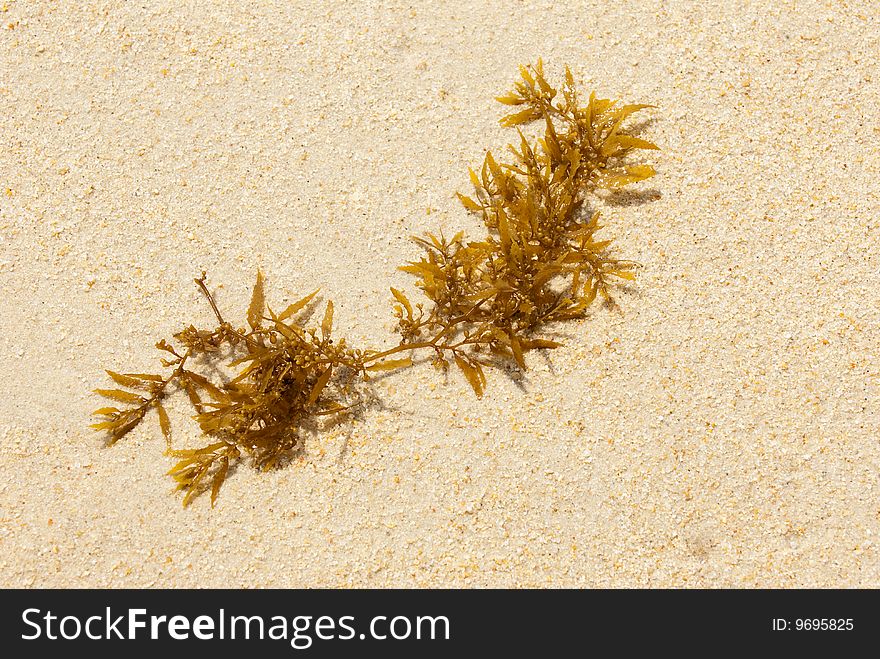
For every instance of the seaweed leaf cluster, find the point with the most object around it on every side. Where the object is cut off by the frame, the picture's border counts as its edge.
(284, 375)
(487, 300)
(540, 261)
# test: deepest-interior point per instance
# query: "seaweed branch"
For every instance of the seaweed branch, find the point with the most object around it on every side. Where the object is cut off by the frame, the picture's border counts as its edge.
(540, 261)
(488, 300)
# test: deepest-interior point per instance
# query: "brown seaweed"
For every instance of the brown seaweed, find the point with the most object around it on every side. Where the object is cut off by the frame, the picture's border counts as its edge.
(488, 300)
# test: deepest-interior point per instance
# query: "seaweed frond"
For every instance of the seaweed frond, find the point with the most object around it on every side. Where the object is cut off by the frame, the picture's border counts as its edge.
(284, 374)
(488, 300)
(540, 261)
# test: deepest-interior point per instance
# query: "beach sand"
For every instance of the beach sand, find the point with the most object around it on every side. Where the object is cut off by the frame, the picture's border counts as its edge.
(720, 428)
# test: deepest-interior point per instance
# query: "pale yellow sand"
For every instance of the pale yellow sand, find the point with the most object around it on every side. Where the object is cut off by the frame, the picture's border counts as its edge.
(721, 429)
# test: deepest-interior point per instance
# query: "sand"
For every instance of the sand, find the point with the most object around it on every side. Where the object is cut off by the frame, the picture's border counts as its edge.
(720, 428)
